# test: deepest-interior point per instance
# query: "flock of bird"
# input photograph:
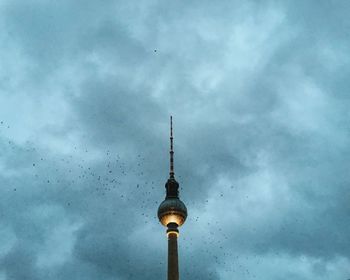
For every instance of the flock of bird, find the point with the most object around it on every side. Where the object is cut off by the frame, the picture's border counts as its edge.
(127, 183)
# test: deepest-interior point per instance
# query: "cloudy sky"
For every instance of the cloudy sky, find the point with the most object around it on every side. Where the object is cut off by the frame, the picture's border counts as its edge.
(259, 93)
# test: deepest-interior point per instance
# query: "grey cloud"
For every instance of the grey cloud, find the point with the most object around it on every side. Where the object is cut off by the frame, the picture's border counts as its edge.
(259, 98)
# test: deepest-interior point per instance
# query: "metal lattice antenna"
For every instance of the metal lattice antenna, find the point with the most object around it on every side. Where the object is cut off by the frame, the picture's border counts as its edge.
(171, 149)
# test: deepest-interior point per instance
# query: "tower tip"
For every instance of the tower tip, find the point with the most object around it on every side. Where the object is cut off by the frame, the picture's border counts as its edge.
(171, 149)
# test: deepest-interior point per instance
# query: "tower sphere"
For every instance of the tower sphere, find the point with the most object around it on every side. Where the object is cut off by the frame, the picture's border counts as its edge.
(172, 210)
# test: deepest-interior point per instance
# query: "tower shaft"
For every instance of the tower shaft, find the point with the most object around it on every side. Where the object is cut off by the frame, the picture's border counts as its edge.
(173, 261)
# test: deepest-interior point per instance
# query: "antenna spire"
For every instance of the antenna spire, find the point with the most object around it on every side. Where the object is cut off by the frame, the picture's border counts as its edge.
(171, 149)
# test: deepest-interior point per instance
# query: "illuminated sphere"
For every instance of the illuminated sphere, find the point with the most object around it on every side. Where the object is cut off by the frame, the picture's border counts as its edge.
(172, 210)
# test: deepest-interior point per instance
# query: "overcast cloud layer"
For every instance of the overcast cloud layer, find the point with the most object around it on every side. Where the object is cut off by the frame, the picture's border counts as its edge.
(259, 92)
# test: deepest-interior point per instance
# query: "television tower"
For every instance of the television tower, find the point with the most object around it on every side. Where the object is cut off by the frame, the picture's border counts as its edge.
(172, 213)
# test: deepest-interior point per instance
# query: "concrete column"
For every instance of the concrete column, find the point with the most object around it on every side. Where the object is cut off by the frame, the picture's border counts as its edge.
(173, 262)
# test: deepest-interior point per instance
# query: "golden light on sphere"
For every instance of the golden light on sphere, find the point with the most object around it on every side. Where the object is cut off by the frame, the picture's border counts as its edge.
(172, 218)
(172, 210)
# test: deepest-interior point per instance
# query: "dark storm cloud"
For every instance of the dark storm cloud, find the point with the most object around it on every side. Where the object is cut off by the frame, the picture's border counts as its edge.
(259, 98)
